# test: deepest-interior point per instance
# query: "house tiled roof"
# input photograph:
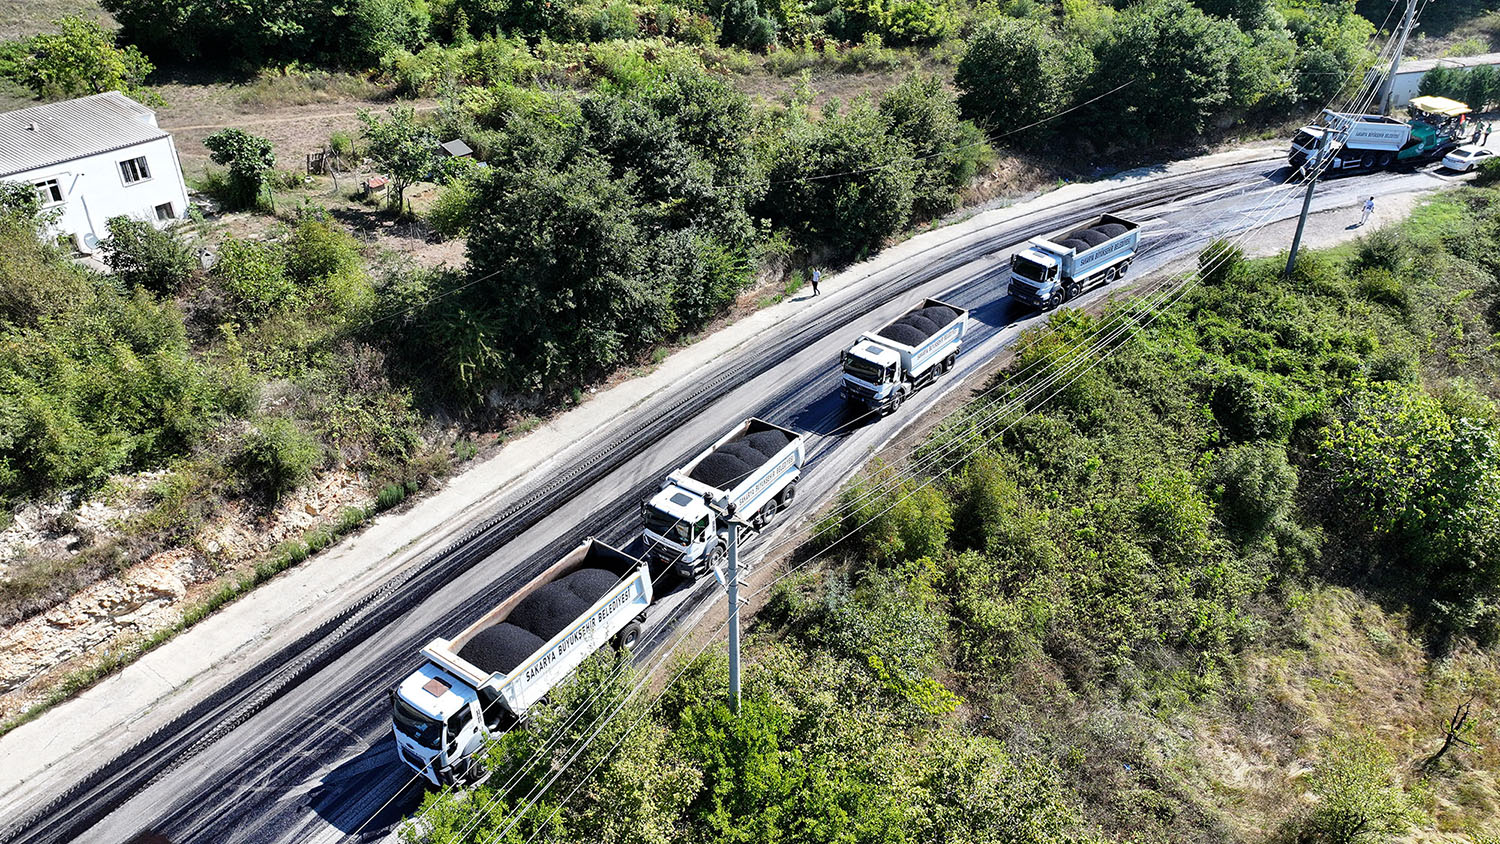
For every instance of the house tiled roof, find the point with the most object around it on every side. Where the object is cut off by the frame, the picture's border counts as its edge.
(50, 134)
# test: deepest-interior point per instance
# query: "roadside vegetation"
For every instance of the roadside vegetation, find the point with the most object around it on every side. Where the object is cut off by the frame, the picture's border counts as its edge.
(1229, 584)
(641, 170)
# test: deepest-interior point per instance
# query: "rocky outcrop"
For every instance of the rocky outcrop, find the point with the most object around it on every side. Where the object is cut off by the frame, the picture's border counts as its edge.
(139, 601)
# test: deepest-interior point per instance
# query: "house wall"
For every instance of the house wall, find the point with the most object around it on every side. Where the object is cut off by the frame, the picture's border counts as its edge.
(1410, 74)
(94, 189)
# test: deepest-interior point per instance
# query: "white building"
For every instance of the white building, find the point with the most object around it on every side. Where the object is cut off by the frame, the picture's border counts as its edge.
(1410, 74)
(91, 159)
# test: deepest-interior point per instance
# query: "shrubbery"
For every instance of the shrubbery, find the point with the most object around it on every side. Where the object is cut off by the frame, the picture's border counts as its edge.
(277, 456)
(93, 379)
(141, 255)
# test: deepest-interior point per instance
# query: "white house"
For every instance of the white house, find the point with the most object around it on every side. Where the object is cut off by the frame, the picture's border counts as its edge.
(1409, 76)
(91, 159)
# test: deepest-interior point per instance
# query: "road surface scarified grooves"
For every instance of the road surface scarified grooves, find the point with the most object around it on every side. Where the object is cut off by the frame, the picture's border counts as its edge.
(69, 815)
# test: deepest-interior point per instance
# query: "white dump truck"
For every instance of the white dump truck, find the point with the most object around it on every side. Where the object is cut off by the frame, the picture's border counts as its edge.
(1357, 143)
(1048, 273)
(883, 367)
(752, 470)
(483, 680)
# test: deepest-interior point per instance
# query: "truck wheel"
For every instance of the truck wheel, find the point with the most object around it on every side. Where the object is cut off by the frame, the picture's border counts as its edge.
(1073, 290)
(1111, 274)
(896, 401)
(628, 637)
(1124, 266)
(717, 559)
(1367, 161)
(788, 495)
(948, 363)
(768, 512)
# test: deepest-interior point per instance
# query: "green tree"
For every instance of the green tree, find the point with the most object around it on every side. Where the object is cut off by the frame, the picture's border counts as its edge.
(844, 183)
(401, 148)
(249, 34)
(948, 150)
(248, 157)
(81, 59)
(1359, 798)
(1177, 65)
(141, 255)
(1017, 73)
(571, 284)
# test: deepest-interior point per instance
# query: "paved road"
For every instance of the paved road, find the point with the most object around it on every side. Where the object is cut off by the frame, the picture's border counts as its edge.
(298, 750)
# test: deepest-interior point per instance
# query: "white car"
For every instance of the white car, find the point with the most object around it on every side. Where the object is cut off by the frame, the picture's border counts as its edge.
(1466, 158)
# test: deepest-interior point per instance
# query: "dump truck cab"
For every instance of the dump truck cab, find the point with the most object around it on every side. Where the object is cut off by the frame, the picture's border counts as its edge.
(678, 525)
(871, 372)
(435, 724)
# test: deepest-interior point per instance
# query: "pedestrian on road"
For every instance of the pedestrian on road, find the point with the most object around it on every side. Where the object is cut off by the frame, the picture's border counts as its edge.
(1487, 128)
(817, 277)
(1369, 209)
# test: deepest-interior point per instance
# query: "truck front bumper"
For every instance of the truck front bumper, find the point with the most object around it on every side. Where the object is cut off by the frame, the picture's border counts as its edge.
(1030, 297)
(866, 398)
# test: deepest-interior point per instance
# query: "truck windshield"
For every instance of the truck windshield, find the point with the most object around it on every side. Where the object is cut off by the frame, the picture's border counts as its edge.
(418, 727)
(667, 525)
(1304, 140)
(1027, 268)
(864, 370)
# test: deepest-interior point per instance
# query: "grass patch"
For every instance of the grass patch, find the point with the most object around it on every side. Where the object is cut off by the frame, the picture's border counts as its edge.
(287, 87)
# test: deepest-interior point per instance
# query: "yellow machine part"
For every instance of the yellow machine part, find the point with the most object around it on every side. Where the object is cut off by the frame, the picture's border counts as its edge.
(1440, 105)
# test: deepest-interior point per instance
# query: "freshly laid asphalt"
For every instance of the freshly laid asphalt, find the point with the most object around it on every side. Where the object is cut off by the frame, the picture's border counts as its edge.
(268, 722)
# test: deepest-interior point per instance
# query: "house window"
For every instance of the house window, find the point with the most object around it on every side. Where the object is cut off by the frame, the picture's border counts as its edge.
(49, 192)
(135, 170)
(164, 212)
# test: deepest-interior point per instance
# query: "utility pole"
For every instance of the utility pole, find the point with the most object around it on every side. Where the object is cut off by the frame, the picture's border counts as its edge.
(733, 579)
(1390, 79)
(1312, 180)
(730, 580)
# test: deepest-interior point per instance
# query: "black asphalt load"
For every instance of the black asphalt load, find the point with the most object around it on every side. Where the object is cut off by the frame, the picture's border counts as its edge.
(360, 695)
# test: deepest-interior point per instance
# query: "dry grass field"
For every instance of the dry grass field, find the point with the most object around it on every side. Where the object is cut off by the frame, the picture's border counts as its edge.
(20, 18)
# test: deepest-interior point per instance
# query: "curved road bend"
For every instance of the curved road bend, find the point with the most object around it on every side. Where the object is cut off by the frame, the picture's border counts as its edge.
(298, 748)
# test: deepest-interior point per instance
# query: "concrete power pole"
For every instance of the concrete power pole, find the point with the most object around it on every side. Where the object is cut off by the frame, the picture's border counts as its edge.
(730, 580)
(1388, 91)
(1390, 79)
(1314, 168)
(733, 578)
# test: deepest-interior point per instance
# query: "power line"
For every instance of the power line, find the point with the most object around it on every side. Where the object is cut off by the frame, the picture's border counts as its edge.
(1151, 311)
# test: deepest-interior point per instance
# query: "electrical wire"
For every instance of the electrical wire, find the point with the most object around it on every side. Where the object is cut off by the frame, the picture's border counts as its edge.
(1169, 296)
(1135, 325)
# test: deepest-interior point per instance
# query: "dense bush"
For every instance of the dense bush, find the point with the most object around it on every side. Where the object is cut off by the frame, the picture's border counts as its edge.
(277, 456)
(254, 275)
(141, 255)
(93, 379)
(1427, 477)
